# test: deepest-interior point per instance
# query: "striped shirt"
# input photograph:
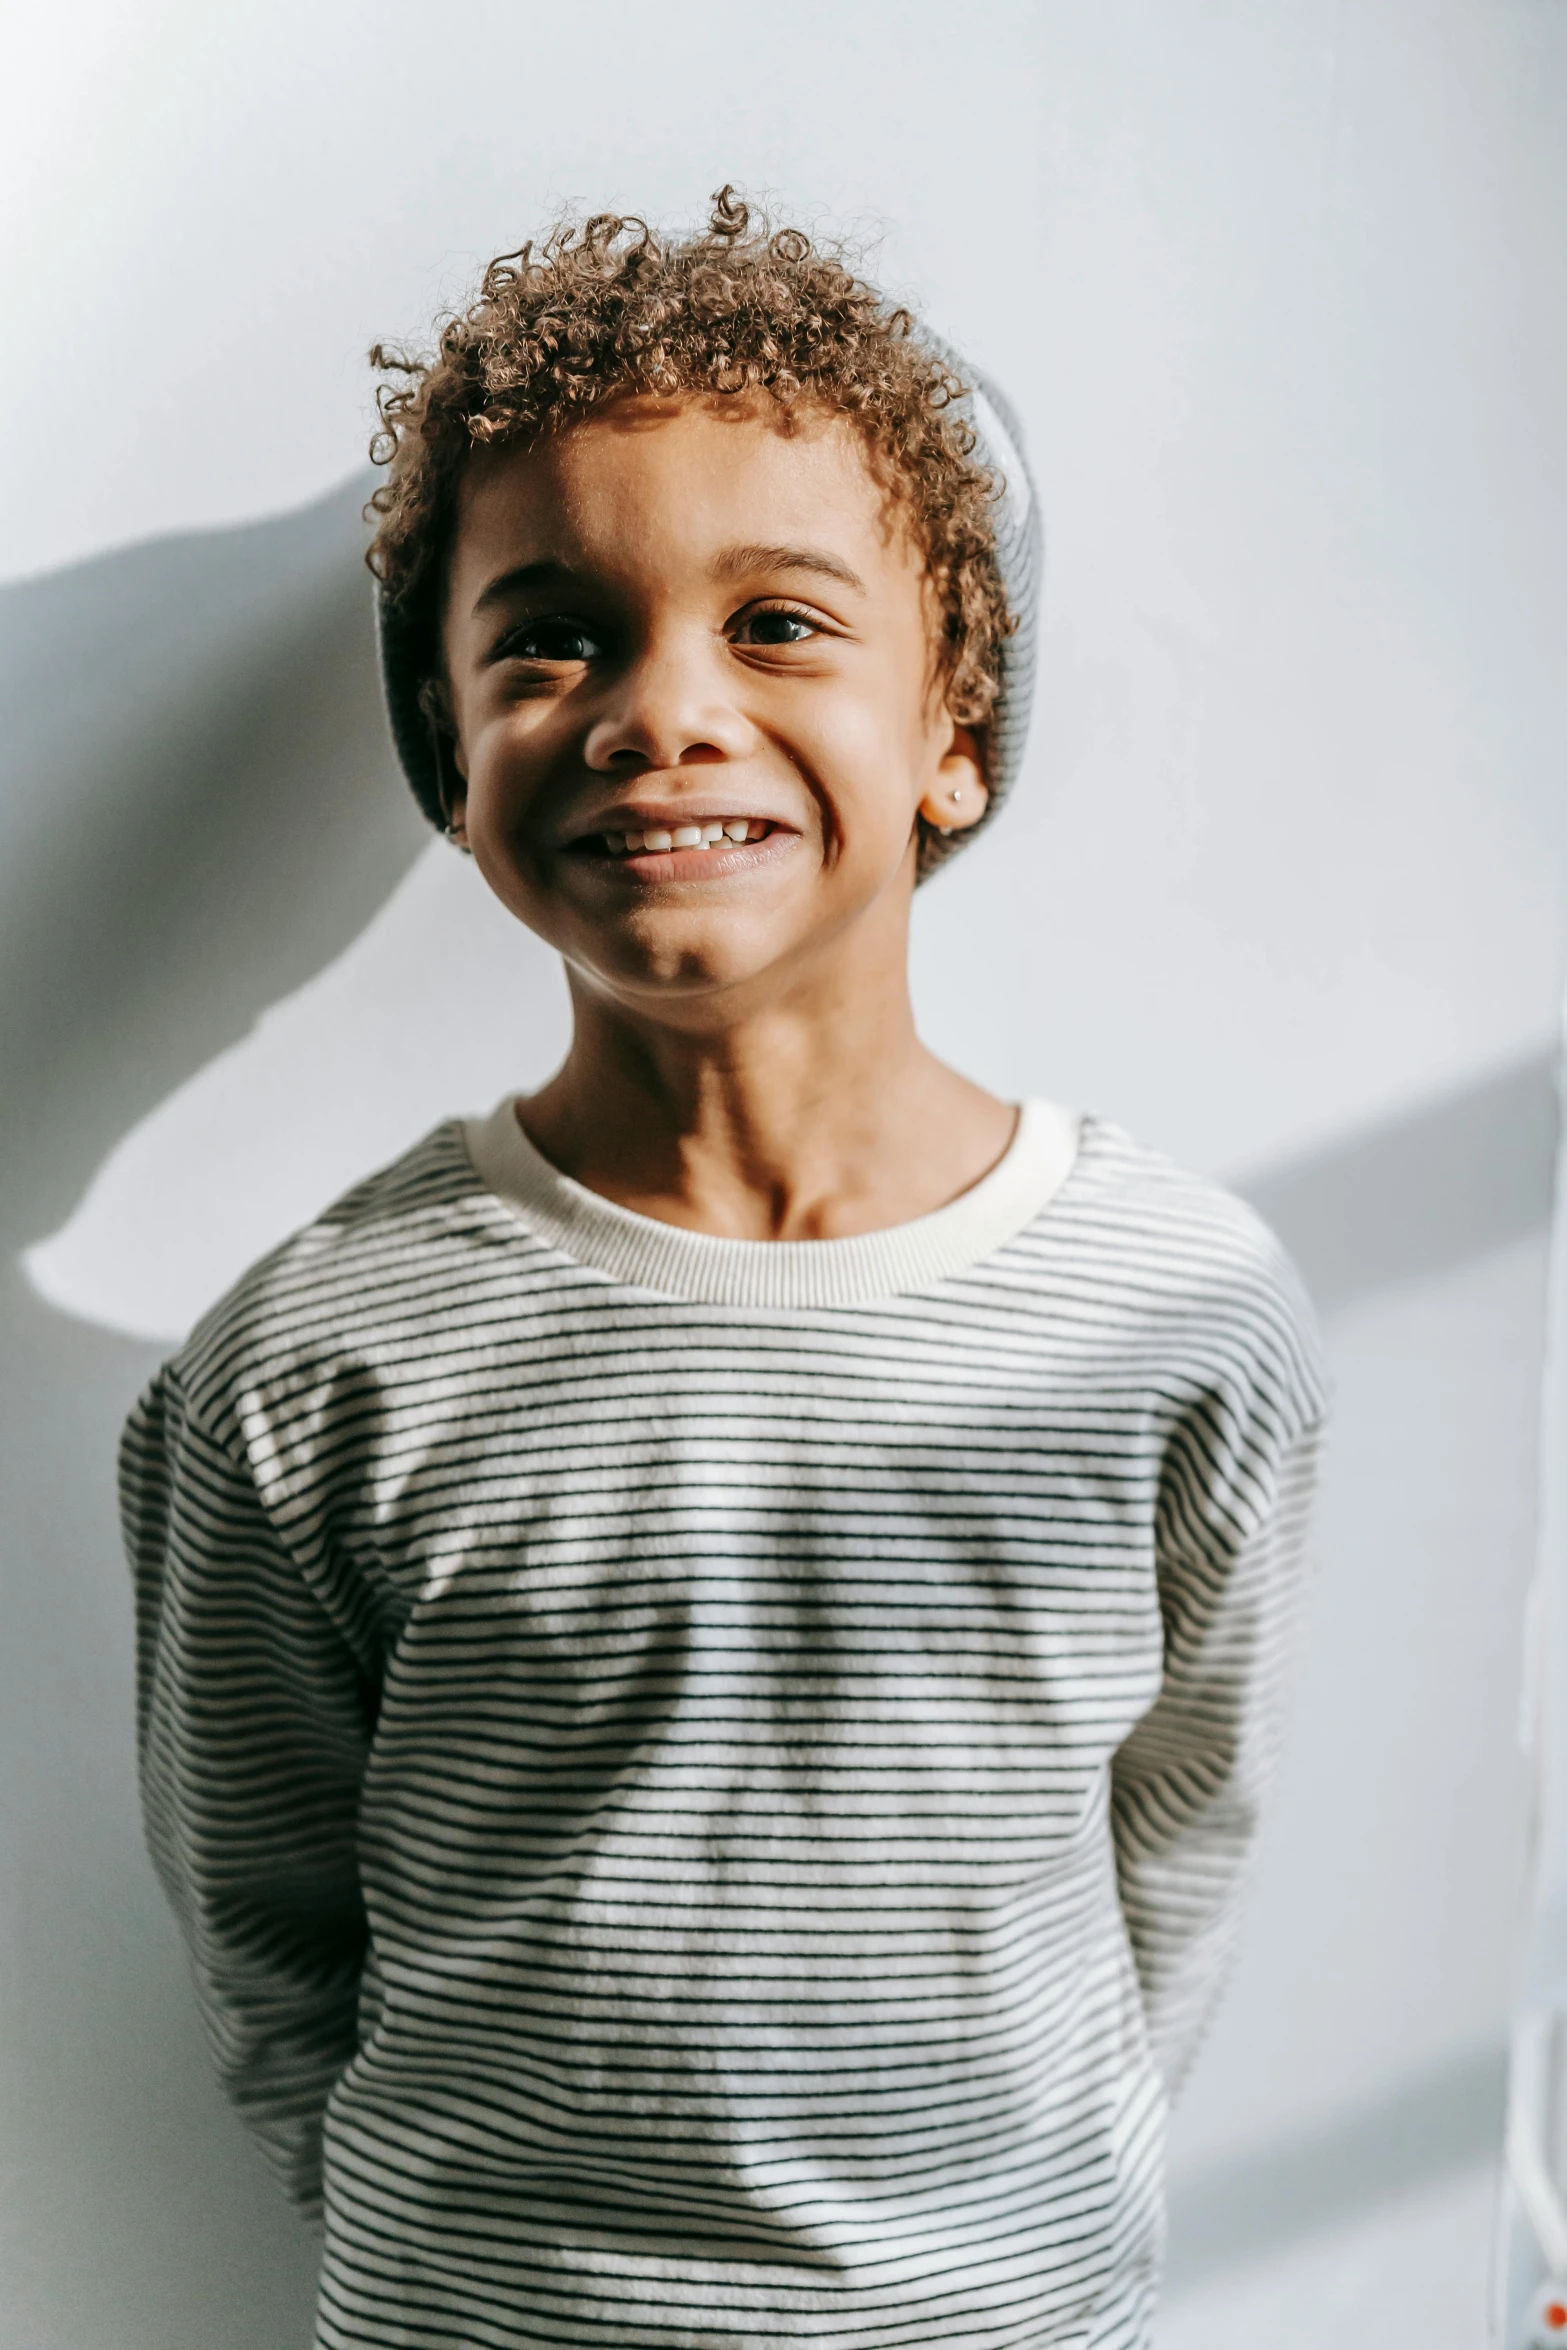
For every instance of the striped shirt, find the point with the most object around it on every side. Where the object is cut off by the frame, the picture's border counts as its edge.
(707, 1782)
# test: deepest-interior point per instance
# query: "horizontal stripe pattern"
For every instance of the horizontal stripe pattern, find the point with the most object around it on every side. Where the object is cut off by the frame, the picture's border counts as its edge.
(701, 1822)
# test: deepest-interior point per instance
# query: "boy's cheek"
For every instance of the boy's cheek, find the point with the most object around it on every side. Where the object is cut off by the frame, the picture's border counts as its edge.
(506, 773)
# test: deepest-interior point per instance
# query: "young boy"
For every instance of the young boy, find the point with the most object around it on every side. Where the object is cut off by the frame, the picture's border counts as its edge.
(710, 1641)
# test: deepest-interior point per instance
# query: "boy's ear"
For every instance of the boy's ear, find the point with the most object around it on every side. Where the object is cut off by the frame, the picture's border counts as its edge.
(959, 796)
(454, 794)
(454, 798)
(451, 773)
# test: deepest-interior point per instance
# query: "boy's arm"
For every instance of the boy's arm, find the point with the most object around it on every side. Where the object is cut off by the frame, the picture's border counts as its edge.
(253, 1727)
(1187, 1785)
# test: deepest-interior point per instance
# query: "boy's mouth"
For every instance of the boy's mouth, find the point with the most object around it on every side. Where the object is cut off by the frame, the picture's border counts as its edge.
(662, 839)
(702, 848)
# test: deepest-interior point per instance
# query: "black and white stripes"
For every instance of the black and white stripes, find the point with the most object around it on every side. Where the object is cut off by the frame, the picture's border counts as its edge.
(734, 1810)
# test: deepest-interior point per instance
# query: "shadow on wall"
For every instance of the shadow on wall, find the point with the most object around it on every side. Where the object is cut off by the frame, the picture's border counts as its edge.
(1422, 1192)
(200, 807)
(201, 811)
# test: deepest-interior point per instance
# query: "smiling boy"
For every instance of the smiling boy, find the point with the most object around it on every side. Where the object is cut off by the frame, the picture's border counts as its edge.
(710, 1641)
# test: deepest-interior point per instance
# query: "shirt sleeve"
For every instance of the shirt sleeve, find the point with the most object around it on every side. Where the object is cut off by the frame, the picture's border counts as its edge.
(1188, 1784)
(254, 1718)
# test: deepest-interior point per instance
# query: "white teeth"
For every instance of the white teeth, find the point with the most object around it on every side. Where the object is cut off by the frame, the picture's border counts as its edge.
(660, 837)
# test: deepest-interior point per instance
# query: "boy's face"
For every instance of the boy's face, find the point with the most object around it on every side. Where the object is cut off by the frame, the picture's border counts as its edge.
(682, 614)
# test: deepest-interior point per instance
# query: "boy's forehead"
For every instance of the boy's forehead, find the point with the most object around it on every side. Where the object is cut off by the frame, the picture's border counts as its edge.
(694, 475)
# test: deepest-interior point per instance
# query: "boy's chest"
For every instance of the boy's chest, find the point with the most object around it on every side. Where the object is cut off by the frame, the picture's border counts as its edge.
(925, 1523)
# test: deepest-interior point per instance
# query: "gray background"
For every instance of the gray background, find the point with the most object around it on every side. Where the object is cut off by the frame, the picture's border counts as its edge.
(1277, 293)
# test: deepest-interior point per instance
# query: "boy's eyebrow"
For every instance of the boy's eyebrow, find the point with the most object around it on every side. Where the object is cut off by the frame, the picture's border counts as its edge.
(546, 573)
(736, 561)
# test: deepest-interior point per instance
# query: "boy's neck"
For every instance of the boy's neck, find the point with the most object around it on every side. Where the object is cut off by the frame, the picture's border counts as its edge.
(802, 1121)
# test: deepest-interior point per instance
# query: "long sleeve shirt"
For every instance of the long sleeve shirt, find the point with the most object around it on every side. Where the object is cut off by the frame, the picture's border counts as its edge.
(707, 1783)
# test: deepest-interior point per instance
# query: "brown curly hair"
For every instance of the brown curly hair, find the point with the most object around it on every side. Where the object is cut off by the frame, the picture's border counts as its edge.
(605, 308)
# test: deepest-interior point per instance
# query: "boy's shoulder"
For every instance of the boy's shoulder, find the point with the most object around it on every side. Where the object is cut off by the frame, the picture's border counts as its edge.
(1141, 1201)
(1166, 1250)
(379, 1258)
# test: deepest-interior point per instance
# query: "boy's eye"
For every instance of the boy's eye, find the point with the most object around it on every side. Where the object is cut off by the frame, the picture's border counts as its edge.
(551, 640)
(775, 628)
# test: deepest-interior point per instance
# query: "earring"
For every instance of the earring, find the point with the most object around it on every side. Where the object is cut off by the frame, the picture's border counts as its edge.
(956, 792)
(450, 832)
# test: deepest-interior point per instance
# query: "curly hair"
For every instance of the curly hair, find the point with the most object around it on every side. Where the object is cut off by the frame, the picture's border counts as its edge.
(604, 308)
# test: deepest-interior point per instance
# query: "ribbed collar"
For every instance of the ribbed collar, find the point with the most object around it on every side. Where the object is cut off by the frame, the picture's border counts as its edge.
(706, 1270)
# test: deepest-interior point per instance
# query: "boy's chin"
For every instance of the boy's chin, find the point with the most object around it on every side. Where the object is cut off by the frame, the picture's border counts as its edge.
(692, 977)
(699, 971)
(709, 959)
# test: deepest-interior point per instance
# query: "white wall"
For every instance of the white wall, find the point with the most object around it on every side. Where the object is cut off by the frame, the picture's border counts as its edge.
(1277, 291)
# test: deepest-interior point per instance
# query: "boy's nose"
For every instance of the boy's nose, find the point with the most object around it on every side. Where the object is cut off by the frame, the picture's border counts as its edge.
(666, 710)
